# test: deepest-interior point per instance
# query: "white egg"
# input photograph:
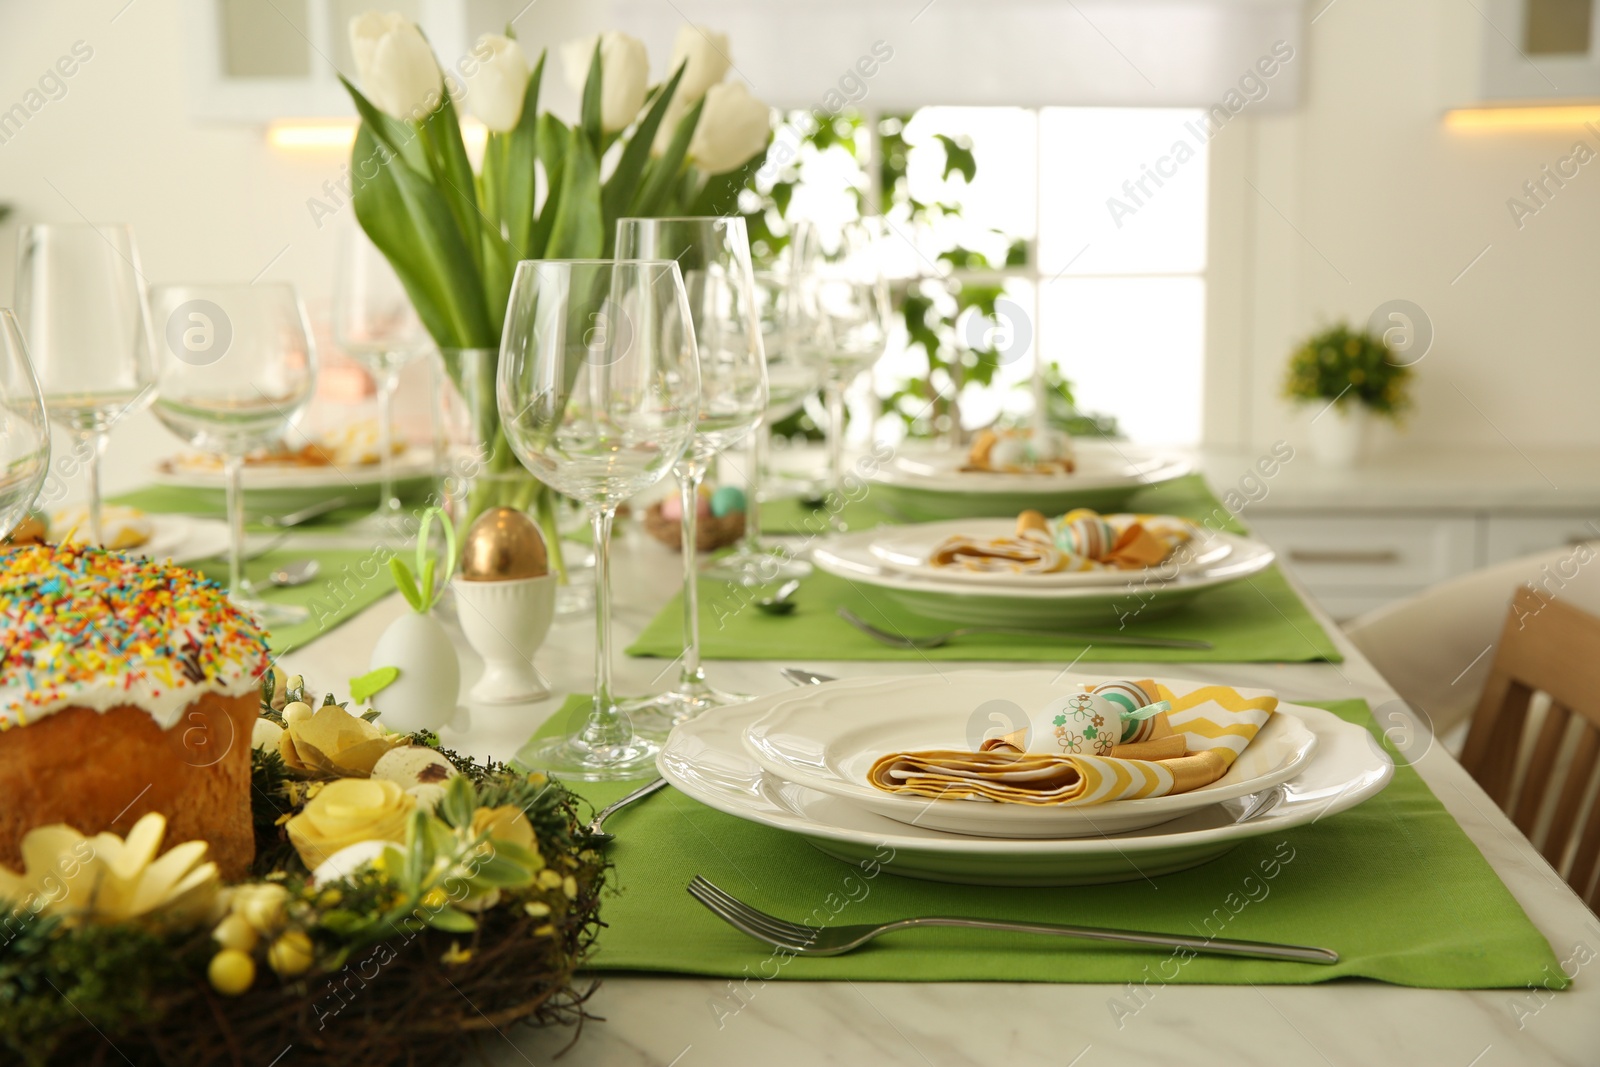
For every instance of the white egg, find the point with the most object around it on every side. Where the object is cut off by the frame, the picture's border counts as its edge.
(265, 734)
(350, 859)
(424, 696)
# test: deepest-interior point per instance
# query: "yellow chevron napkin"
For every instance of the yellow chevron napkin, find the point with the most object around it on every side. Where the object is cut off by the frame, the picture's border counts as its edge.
(1117, 741)
(1080, 540)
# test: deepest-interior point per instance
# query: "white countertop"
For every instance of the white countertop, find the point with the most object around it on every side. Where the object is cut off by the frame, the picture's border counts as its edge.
(669, 1020)
(1413, 478)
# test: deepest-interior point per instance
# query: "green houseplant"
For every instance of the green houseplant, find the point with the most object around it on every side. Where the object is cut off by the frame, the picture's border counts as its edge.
(1346, 375)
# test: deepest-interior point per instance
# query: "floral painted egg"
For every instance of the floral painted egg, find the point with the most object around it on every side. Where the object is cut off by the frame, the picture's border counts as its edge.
(1079, 724)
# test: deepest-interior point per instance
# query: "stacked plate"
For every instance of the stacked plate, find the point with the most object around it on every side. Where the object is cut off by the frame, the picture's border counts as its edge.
(924, 485)
(894, 559)
(797, 761)
(290, 486)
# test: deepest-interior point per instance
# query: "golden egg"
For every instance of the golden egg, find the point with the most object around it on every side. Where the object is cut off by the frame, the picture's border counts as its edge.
(503, 544)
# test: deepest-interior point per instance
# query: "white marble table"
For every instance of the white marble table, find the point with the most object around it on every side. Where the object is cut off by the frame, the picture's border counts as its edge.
(685, 1021)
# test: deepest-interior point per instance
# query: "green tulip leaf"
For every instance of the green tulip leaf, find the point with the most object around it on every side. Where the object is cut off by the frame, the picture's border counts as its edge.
(666, 170)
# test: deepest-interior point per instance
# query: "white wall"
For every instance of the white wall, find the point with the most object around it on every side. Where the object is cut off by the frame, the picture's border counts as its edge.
(1388, 203)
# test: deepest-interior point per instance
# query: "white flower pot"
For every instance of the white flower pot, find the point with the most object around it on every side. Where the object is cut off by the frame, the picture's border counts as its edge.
(505, 623)
(1339, 435)
(424, 696)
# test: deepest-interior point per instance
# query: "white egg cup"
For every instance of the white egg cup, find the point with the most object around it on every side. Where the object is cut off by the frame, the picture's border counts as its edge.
(505, 622)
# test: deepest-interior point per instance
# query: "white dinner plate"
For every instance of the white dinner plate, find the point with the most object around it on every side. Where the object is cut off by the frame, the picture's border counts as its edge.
(924, 484)
(184, 539)
(907, 548)
(1141, 595)
(706, 759)
(412, 463)
(827, 738)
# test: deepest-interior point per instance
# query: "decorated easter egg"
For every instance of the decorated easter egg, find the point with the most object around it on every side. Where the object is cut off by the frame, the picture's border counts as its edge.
(727, 501)
(1085, 533)
(672, 508)
(1129, 697)
(1009, 451)
(1079, 724)
(503, 544)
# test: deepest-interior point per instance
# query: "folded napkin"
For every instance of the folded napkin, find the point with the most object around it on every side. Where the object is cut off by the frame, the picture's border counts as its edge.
(1117, 741)
(1081, 540)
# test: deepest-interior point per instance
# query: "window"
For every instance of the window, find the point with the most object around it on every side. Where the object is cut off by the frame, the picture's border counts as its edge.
(1115, 288)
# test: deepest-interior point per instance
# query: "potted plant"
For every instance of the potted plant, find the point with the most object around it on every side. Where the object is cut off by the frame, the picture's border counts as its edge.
(1346, 376)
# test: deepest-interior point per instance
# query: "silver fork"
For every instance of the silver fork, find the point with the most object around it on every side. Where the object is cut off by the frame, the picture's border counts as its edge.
(926, 641)
(834, 941)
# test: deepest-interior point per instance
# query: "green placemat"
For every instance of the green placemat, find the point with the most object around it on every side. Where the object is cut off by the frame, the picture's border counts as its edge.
(1394, 885)
(1182, 496)
(350, 581)
(208, 503)
(1258, 620)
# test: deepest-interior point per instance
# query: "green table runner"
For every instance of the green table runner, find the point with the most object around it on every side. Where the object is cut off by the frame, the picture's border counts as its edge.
(1394, 885)
(350, 581)
(208, 503)
(1258, 620)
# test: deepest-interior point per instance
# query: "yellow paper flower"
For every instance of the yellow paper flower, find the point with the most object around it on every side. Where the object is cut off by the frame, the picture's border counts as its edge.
(108, 879)
(346, 811)
(329, 742)
(506, 823)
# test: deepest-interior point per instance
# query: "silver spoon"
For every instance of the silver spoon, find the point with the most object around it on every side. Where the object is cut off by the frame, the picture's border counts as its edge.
(779, 602)
(298, 572)
(597, 836)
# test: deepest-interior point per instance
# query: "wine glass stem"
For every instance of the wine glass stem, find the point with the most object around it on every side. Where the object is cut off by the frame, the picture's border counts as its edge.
(605, 726)
(690, 475)
(387, 504)
(233, 471)
(835, 397)
(94, 443)
(760, 438)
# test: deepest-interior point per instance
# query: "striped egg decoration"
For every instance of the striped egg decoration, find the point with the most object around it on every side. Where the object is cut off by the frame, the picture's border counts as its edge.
(1129, 697)
(1085, 533)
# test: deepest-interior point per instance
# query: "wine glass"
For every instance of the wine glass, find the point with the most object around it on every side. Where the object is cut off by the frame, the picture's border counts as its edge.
(81, 307)
(713, 254)
(236, 368)
(375, 324)
(842, 316)
(24, 431)
(792, 375)
(598, 392)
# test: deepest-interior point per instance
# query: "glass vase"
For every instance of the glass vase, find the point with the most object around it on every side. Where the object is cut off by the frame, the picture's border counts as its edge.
(476, 468)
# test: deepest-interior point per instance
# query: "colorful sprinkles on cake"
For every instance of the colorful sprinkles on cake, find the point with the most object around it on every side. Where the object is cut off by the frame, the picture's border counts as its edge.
(80, 619)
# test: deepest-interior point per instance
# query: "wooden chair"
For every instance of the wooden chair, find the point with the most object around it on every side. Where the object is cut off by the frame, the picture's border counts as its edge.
(1547, 646)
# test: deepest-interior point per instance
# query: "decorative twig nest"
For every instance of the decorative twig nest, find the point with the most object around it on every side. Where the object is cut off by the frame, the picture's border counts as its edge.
(465, 909)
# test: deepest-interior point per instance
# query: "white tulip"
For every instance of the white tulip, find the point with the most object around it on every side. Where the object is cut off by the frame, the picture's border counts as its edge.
(733, 127)
(707, 55)
(624, 75)
(397, 69)
(497, 86)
